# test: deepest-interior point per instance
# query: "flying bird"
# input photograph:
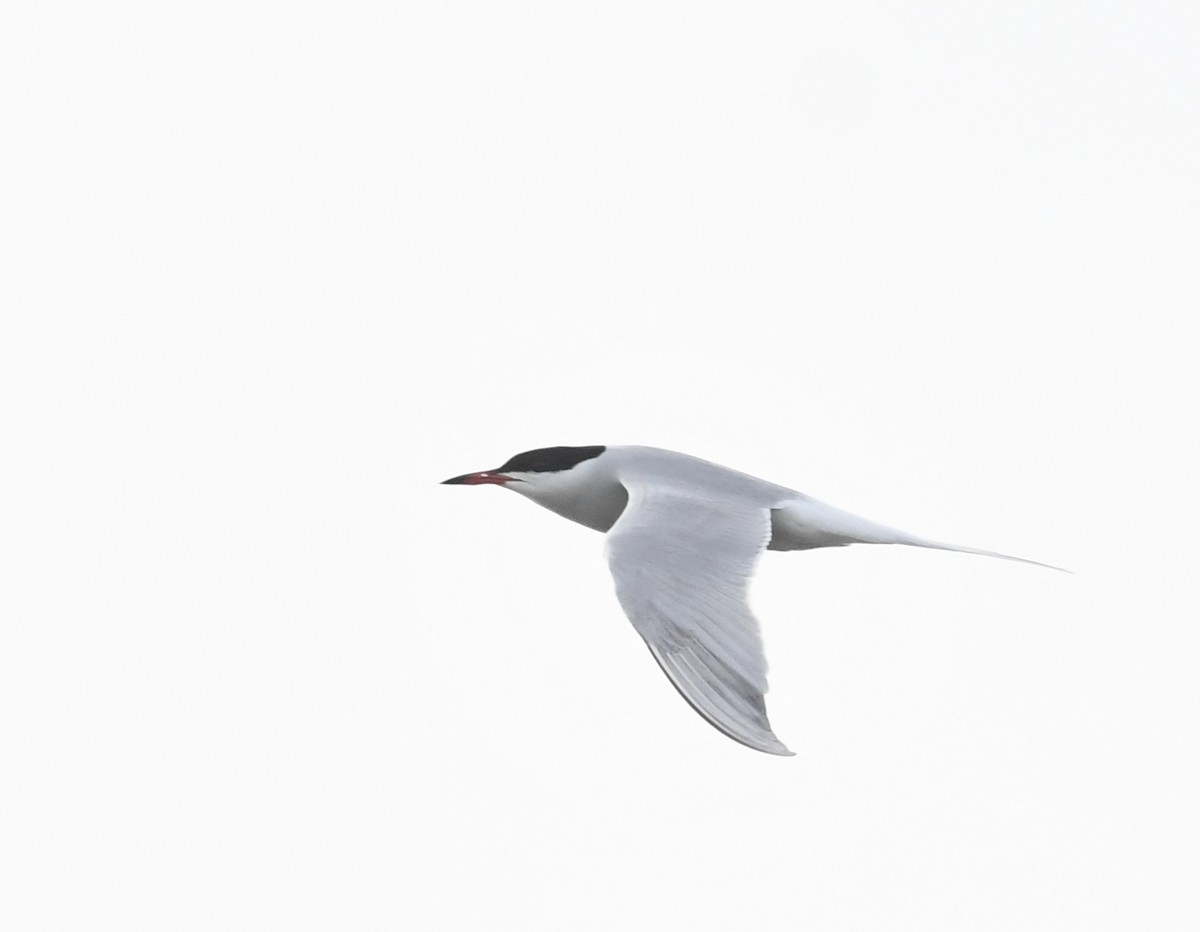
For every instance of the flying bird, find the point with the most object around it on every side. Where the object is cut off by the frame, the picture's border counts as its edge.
(684, 536)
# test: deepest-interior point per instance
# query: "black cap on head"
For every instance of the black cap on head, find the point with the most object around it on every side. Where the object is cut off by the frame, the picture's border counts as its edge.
(550, 459)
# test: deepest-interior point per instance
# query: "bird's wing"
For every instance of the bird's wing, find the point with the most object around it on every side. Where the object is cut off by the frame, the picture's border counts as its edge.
(682, 565)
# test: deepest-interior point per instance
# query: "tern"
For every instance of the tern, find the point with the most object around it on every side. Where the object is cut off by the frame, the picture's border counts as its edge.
(683, 538)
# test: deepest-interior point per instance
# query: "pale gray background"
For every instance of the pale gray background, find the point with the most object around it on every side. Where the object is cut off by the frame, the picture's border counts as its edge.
(272, 270)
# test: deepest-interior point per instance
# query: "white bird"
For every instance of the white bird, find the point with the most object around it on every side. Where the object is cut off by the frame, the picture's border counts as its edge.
(684, 536)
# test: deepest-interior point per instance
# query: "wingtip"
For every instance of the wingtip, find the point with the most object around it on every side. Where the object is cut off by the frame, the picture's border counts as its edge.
(764, 741)
(774, 746)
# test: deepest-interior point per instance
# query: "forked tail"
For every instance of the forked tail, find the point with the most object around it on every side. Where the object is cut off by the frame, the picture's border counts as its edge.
(937, 545)
(805, 523)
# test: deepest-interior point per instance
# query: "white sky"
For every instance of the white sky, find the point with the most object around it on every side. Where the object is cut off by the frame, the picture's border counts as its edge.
(273, 270)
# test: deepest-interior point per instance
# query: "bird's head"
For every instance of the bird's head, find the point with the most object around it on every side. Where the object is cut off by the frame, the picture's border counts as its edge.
(534, 470)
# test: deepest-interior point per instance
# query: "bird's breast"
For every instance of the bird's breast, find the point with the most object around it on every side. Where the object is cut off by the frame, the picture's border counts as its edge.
(596, 506)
